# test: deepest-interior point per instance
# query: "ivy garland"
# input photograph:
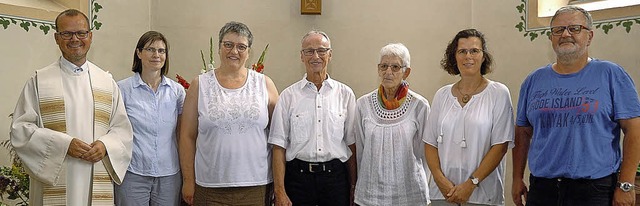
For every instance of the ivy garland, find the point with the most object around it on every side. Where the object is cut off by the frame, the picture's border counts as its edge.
(48, 26)
(606, 25)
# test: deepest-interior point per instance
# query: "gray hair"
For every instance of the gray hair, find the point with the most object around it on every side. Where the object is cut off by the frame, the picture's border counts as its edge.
(314, 31)
(571, 8)
(238, 28)
(399, 50)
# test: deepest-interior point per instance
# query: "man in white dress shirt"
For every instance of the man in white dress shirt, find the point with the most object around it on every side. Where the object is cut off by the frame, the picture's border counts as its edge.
(311, 130)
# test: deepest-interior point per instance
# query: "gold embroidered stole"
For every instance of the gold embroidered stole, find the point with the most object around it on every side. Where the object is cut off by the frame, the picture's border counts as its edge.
(52, 110)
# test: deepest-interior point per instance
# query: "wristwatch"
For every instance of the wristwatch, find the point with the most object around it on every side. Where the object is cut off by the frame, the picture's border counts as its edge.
(625, 186)
(474, 180)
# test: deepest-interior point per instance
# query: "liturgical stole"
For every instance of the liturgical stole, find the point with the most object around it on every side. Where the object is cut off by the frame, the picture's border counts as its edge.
(52, 112)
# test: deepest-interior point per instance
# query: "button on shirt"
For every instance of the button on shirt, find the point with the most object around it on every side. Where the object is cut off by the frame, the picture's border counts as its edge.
(312, 125)
(66, 64)
(154, 117)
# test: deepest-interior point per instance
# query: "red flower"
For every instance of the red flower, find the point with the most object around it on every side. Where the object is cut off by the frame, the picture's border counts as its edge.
(183, 82)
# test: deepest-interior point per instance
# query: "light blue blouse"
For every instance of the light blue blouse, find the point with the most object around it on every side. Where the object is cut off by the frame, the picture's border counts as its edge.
(154, 117)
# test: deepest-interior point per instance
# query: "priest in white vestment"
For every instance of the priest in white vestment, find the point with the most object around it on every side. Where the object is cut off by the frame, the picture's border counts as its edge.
(70, 127)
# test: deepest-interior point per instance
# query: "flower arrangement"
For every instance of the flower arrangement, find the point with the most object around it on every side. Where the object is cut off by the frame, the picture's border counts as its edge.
(259, 67)
(14, 180)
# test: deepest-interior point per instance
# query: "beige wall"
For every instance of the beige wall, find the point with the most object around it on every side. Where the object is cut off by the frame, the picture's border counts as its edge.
(358, 29)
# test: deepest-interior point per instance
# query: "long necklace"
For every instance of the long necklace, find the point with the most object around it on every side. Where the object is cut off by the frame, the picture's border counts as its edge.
(467, 97)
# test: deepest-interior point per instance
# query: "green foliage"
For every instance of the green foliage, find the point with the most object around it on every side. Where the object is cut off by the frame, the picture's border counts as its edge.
(14, 180)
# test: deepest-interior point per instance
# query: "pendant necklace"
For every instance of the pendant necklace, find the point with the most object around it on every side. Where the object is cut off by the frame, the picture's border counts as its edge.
(467, 97)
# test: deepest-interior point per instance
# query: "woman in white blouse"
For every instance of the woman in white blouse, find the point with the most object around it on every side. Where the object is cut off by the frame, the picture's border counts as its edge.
(389, 124)
(469, 129)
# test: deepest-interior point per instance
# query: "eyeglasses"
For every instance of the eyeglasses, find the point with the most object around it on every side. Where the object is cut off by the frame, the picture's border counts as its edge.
(68, 35)
(320, 51)
(473, 52)
(394, 67)
(229, 46)
(573, 29)
(153, 50)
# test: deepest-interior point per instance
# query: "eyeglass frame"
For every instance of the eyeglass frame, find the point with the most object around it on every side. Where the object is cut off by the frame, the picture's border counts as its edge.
(320, 51)
(154, 50)
(73, 33)
(472, 51)
(229, 45)
(385, 67)
(567, 28)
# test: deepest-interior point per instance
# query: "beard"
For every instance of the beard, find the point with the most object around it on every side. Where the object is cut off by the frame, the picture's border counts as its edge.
(569, 53)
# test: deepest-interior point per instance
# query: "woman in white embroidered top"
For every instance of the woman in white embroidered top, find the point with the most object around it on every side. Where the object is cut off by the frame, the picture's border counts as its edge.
(224, 154)
(470, 128)
(389, 124)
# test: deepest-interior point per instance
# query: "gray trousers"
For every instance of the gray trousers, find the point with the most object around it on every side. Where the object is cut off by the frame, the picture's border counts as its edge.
(138, 190)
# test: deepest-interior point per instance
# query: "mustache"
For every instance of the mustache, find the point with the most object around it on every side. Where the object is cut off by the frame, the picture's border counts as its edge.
(567, 40)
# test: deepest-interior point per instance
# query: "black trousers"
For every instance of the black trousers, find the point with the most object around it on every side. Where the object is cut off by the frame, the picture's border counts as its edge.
(322, 183)
(569, 192)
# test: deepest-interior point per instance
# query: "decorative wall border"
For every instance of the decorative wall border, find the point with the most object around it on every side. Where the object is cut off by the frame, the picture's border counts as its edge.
(46, 26)
(605, 25)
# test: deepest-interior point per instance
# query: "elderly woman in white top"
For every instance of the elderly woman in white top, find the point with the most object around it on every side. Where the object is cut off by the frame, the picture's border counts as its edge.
(389, 124)
(224, 154)
(470, 128)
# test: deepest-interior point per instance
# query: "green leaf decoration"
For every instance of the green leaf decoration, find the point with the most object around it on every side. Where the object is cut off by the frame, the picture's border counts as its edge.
(520, 8)
(520, 26)
(618, 24)
(95, 17)
(13, 21)
(25, 25)
(5, 23)
(96, 7)
(45, 29)
(533, 36)
(97, 25)
(607, 27)
(34, 24)
(627, 25)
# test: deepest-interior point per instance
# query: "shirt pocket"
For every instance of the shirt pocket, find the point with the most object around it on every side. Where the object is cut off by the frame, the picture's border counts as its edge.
(301, 127)
(169, 111)
(336, 124)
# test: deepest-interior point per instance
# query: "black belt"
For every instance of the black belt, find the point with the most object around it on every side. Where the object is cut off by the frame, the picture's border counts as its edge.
(612, 177)
(315, 167)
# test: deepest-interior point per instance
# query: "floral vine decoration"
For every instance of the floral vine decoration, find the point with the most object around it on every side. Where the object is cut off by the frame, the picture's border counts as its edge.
(205, 67)
(259, 67)
(605, 25)
(45, 26)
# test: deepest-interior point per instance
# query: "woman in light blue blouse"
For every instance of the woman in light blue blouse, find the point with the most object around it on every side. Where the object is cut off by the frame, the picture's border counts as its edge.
(154, 104)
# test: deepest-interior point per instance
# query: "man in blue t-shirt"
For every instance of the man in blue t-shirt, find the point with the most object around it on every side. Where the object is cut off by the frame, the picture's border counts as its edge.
(569, 118)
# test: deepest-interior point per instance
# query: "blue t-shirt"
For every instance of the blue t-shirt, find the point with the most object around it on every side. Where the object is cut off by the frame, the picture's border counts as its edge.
(574, 119)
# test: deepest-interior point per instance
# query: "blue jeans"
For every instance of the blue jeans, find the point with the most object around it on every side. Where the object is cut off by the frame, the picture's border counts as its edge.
(569, 192)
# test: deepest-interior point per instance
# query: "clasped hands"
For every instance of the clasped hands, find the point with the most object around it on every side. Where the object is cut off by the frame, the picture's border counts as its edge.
(93, 152)
(458, 194)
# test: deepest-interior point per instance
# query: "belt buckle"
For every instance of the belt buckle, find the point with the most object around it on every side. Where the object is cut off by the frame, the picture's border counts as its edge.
(311, 165)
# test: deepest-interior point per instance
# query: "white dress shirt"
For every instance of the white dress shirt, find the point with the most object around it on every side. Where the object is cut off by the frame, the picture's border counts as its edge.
(314, 125)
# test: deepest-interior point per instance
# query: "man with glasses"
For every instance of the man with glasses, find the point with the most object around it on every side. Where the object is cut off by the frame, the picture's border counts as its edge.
(70, 127)
(311, 130)
(569, 118)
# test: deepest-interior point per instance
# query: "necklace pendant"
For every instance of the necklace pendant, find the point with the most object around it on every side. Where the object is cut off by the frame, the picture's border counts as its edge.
(465, 98)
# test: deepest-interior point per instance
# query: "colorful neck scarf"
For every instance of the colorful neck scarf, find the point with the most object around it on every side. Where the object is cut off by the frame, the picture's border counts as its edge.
(400, 96)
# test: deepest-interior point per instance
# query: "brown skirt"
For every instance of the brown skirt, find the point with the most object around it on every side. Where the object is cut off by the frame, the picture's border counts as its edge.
(252, 195)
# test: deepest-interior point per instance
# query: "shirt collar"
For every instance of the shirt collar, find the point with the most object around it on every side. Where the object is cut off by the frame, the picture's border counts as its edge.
(66, 64)
(327, 82)
(138, 80)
